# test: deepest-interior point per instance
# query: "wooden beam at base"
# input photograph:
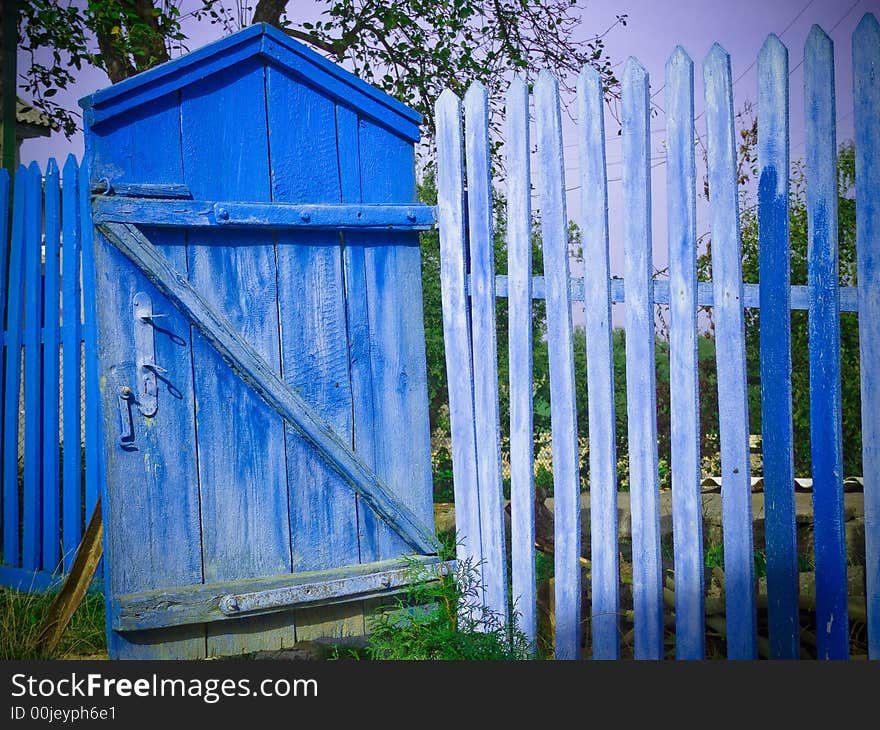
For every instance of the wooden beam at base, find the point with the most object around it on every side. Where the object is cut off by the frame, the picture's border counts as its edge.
(198, 604)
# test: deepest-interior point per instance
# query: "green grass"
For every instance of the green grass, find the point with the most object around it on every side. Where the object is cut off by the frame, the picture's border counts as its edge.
(21, 615)
(440, 617)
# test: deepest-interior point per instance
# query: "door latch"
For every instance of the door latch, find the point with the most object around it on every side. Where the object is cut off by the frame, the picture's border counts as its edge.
(147, 388)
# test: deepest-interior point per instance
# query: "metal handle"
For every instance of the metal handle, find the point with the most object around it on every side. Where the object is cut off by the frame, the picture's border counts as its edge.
(126, 422)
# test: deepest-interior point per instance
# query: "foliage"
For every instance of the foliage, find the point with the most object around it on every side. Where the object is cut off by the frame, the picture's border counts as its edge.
(411, 49)
(441, 616)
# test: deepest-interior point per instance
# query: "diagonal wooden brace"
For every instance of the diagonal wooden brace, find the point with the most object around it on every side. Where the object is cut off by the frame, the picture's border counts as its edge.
(247, 363)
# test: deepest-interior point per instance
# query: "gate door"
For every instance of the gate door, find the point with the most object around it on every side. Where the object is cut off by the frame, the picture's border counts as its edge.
(266, 454)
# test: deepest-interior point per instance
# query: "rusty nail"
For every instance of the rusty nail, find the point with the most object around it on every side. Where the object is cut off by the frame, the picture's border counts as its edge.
(223, 214)
(386, 582)
(411, 216)
(305, 217)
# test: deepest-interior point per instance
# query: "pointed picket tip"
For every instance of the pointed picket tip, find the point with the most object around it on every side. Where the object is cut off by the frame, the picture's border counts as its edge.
(590, 75)
(589, 82)
(70, 164)
(773, 49)
(518, 87)
(34, 168)
(447, 107)
(679, 58)
(546, 79)
(868, 28)
(716, 58)
(475, 91)
(634, 72)
(51, 167)
(818, 38)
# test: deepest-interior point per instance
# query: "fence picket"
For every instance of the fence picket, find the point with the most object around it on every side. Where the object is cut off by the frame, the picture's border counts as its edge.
(71, 331)
(641, 395)
(519, 267)
(730, 351)
(826, 447)
(684, 406)
(32, 511)
(456, 329)
(775, 336)
(14, 319)
(600, 373)
(563, 411)
(4, 277)
(486, 423)
(51, 485)
(866, 61)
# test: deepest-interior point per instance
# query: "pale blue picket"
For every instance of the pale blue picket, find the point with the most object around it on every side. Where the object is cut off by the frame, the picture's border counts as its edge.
(826, 447)
(687, 513)
(563, 411)
(486, 418)
(519, 267)
(456, 328)
(775, 337)
(600, 373)
(641, 392)
(730, 353)
(42, 517)
(866, 61)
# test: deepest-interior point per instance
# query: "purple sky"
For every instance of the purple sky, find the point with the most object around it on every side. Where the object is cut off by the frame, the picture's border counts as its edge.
(653, 30)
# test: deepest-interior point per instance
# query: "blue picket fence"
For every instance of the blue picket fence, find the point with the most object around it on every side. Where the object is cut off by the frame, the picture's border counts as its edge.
(470, 290)
(49, 479)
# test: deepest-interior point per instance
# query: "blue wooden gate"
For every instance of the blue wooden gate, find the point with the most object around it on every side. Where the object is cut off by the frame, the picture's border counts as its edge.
(262, 360)
(470, 289)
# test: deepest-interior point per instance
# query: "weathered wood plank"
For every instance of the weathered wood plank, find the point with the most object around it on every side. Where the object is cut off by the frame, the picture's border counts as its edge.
(687, 506)
(51, 369)
(393, 277)
(224, 600)
(826, 439)
(150, 492)
(519, 266)
(733, 414)
(4, 276)
(32, 507)
(106, 186)
(71, 343)
(456, 327)
(304, 166)
(641, 397)
(866, 61)
(775, 303)
(485, 347)
(227, 156)
(14, 320)
(600, 374)
(364, 430)
(278, 214)
(564, 433)
(256, 373)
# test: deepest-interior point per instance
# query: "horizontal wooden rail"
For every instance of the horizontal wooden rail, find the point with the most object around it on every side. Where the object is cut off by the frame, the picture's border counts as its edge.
(210, 602)
(198, 213)
(705, 298)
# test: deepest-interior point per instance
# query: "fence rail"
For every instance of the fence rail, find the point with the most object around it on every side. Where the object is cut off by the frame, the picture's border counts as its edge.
(47, 489)
(470, 290)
